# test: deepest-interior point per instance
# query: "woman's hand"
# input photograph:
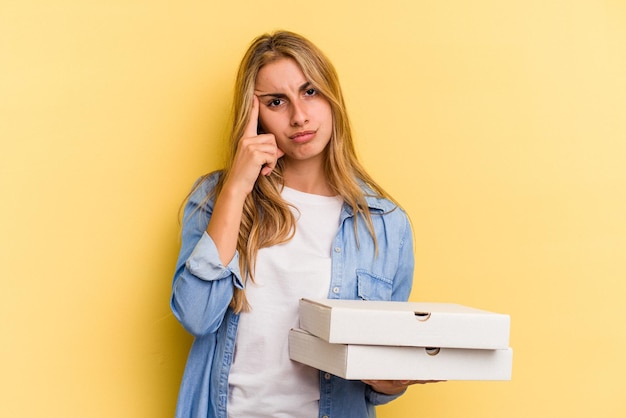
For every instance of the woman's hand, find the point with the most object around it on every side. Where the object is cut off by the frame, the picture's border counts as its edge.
(256, 155)
(394, 387)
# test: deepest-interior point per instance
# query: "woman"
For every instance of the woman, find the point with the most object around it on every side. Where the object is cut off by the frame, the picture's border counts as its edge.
(292, 215)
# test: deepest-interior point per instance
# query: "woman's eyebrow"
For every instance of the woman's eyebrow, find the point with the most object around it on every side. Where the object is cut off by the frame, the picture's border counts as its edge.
(277, 95)
(303, 87)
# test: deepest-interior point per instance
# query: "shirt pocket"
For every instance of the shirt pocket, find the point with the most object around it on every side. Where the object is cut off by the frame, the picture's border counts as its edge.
(372, 286)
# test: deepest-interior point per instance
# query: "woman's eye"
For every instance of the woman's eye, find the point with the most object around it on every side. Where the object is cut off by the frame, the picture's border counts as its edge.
(275, 102)
(310, 92)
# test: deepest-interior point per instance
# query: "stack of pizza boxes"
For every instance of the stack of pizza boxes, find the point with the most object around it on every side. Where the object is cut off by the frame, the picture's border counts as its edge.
(381, 340)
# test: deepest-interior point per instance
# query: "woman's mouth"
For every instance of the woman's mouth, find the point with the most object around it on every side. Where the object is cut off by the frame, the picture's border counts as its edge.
(302, 136)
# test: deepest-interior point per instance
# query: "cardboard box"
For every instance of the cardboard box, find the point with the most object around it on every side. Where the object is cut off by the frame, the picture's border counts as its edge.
(362, 362)
(404, 324)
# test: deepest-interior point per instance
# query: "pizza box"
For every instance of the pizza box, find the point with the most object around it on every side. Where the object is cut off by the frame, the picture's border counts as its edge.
(416, 324)
(378, 362)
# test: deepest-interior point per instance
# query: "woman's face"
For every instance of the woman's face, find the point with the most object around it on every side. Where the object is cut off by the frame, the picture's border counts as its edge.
(293, 111)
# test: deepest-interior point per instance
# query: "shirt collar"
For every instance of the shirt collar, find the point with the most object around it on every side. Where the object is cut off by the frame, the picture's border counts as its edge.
(374, 202)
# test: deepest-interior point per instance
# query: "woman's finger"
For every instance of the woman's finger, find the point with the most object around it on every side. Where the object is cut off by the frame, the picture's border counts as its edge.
(253, 122)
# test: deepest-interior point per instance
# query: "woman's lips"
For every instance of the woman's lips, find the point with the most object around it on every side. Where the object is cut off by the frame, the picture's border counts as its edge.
(303, 136)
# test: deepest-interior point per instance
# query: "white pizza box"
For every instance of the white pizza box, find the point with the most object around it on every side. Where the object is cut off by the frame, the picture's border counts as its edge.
(416, 324)
(379, 362)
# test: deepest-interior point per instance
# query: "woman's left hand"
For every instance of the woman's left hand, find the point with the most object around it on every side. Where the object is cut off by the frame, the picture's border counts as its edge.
(394, 387)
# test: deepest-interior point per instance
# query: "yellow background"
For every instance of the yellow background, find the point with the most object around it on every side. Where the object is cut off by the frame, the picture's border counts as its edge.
(500, 126)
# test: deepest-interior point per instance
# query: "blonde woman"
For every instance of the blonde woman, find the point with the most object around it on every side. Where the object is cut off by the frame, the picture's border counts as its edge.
(293, 214)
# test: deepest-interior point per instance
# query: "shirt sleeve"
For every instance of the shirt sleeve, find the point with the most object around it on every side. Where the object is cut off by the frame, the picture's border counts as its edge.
(202, 287)
(376, 398)
(402, 284)
(403, 280)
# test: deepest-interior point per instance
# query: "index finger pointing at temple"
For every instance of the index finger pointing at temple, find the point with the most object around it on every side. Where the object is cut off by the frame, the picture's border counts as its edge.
(253, 122)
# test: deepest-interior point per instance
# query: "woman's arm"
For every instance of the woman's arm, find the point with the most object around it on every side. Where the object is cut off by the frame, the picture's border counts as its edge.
(403, 279)
(208, 263)
(402, 285)
(203, 285)
(256, 155)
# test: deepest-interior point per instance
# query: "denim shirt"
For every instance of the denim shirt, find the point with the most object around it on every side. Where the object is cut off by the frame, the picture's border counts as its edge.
(203, 288)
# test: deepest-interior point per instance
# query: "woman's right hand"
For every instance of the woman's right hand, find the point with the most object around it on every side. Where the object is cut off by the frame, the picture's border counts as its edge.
(256, 155)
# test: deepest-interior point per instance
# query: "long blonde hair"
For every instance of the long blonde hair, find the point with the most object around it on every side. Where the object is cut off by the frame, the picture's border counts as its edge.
(267, 219)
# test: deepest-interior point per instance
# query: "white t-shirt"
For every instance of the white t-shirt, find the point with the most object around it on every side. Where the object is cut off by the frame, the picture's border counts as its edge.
(263, 381)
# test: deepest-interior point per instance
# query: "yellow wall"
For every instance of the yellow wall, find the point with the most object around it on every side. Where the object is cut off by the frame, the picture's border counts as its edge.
(500, 125)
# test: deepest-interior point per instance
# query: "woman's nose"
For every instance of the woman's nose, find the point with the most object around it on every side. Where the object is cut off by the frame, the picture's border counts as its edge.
(298, 115)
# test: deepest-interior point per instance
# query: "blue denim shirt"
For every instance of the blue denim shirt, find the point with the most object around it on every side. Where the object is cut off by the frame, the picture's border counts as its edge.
(203, 288)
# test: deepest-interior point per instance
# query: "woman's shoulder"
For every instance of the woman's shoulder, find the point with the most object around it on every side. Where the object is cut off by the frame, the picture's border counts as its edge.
(388, 211)
(208, 181)
(380, 203)
(204, 186)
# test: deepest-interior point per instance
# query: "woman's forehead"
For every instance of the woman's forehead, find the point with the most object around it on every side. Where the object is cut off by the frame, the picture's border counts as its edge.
(282, 75)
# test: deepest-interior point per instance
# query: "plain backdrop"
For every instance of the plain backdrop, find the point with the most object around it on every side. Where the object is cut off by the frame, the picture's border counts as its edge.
(499, 125)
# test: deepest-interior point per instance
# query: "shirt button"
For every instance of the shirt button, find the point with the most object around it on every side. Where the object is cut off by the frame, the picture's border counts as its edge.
(337, 249)
(335, 290)
(326, 376)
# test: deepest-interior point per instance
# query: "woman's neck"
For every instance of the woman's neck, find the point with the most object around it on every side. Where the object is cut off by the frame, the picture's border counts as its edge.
(307, 178)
